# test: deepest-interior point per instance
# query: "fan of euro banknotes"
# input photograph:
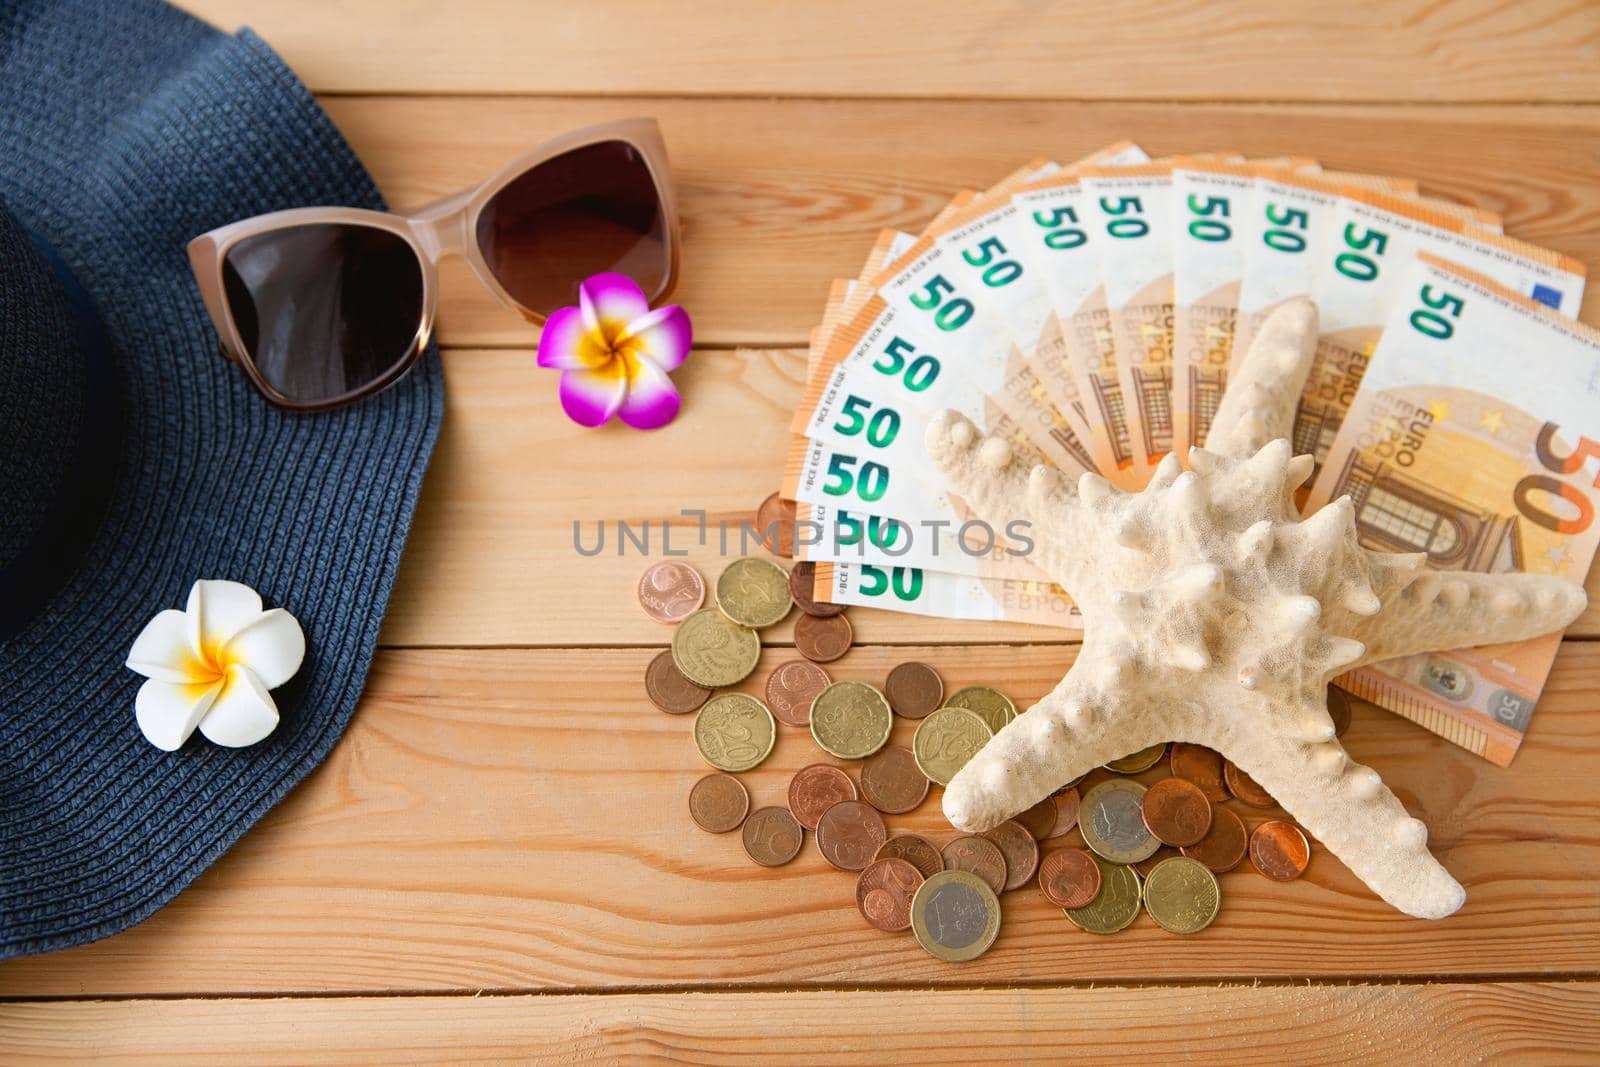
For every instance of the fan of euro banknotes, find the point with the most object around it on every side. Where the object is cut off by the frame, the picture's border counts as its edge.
(1091, 312)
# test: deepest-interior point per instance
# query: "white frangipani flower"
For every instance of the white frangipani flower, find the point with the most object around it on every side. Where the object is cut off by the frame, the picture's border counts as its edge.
(211, 666)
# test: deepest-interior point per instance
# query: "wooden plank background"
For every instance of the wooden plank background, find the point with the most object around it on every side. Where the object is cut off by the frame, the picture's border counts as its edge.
(1542, 1022)
(517, 820)
(506, 814)
(1168, 50)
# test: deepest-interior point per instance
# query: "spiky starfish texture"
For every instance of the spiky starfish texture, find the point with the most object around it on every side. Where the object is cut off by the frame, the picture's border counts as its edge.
(1215, 615)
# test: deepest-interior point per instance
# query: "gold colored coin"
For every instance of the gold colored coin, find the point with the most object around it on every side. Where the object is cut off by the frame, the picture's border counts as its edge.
(991, 705)
(713, 651)
(1142, 760)
(1111, 817)
(955, 916)
(850, 720)
(946, 740)
(754, 592)
(1117, 905)
(734, 732)
(1181, 895)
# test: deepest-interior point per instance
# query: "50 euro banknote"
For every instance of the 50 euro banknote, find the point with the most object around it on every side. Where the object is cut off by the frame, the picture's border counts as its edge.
(1224, 221)
(1474, 438)
(827, 533)
(942, 595)
(1357, 286)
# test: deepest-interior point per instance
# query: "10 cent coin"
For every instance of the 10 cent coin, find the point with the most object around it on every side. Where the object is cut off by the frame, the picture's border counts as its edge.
(713, 650)
(754, 592)
(1116, 905)
(1181, 895)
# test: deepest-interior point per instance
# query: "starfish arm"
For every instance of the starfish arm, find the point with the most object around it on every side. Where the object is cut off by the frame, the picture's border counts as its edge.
(1002, 488)
(1064, 736)
(1261, 398)
(1437, 611)
(1348, 808)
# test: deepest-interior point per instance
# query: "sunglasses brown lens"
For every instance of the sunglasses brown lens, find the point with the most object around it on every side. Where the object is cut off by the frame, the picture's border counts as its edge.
(592, 209)
(324, 309)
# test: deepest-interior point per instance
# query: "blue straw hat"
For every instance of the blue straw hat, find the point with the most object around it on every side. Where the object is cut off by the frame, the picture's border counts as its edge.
(134, 459)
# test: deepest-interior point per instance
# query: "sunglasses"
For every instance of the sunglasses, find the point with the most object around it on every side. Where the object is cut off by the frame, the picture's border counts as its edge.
(326, 306)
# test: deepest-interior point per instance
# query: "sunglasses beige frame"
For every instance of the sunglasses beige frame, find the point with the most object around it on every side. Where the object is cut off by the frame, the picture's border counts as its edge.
(444, 227)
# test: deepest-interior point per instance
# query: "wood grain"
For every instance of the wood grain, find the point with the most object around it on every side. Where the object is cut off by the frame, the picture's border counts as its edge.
(491, 559)
(516, 820)
(1501, 1022)
(1463, 50)
(781, 196)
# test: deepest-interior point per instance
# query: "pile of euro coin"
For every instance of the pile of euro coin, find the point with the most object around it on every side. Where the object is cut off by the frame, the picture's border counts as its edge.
(1155, 848)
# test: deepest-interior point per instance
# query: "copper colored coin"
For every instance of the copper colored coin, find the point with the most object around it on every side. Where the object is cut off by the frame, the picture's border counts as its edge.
(1040, 819)
(914, 689)
(1339, 710)
(718, 803)
(801, 577)
(772, 837)
(979, 856)
(1176, 812)
(1279, 850)
(822, 640)
(892, 782)
(884, 892)
(1020, 850)
(1224, 844)
(815, 789)
(1245, 788)
(669, 690)
(670, 591)
(1069, 878)
(1066, 802)
(849, 834)
(1200, 765)
(915, 850)
(791, 687)
(775, 525)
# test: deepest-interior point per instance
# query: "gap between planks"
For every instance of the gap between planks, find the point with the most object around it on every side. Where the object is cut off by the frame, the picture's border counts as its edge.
(1301, 981)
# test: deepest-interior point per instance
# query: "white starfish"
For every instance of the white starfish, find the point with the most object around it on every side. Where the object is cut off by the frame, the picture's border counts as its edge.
(1215, 615)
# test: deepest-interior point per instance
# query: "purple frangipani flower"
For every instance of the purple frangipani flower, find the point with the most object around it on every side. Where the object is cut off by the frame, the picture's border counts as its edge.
(614, 354)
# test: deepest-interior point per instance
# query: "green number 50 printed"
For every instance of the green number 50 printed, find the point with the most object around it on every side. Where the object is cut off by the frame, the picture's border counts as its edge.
(905, 583)
(951, 314)
(869, 481)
